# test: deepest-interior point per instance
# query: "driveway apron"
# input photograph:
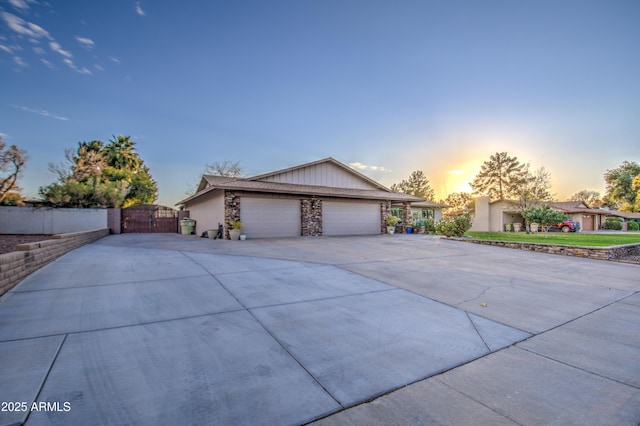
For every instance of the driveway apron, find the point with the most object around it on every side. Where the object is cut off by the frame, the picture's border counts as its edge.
(129, 330)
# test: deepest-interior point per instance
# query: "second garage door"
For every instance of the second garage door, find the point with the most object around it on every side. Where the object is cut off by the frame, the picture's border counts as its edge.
(348, 218)
(270, 217)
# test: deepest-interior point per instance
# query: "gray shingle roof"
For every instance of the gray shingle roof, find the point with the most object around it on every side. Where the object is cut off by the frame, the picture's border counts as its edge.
(243, 184)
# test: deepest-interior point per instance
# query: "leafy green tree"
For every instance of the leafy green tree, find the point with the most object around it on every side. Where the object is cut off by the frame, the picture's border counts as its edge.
(458, 202)
(99, 175)
(620, 186)
(636, 187)
(417, 185)
(499, 177)
(12, 199)
(12, 161)
(544, 215)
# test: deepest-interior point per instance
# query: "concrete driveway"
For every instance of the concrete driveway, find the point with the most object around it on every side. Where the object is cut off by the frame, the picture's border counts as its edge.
(168, 329)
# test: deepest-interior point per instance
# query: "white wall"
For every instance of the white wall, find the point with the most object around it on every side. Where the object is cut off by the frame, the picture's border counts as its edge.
(45, 220)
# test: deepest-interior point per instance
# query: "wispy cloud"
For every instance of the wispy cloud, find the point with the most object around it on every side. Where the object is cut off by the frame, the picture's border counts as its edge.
(21, 5)
(139, 9)
(19, 61)
(360, 166)
(55, 46)
(41, 112)
(35, 34)
(22, 27)
(85, 42)
(116, 60)
(77, 69)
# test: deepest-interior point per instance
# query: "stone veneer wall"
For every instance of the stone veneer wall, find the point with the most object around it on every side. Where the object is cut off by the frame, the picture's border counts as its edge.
(311, 217)
(231, 210)
(29, 257)
(385, 212)
(602, 253)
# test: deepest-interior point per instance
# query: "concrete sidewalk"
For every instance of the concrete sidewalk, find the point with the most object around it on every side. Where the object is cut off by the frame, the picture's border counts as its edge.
(169, 329)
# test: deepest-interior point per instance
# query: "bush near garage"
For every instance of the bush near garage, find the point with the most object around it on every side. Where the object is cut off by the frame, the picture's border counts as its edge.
(455, 227)
(613, 223)
(633, 226)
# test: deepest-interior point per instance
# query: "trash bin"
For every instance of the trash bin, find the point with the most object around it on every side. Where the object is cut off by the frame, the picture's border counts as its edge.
(187, 226)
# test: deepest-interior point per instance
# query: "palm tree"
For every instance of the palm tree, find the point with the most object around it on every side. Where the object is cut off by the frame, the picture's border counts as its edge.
(121, 154)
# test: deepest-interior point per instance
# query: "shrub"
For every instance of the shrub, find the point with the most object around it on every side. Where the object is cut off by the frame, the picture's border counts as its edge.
(633, 226)
(454, 227)
(429, 225)
(392, 221)
(614, 223)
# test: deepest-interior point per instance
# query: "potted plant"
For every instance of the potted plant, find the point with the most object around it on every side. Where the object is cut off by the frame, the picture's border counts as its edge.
(235, 229)
(392, 221)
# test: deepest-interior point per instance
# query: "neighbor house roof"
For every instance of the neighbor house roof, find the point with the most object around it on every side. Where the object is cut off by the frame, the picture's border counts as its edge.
(569, 205)
(618, 213)
(257, 184)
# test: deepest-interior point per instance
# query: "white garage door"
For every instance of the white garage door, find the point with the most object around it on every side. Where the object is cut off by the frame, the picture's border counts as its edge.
(345, 218)
(270, 217)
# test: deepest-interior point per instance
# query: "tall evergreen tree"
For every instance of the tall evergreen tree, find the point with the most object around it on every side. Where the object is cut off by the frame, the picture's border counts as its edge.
(417, 185)
(499, 177)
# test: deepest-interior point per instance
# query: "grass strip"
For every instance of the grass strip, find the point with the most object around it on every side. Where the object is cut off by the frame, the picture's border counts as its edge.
(570, 239)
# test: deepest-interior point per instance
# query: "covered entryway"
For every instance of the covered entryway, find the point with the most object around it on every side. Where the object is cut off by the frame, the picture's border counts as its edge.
(148, 218)
(270, 217)
(350, 218)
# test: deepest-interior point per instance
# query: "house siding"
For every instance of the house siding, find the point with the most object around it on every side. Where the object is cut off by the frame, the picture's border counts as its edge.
(325, 174)
(207, 211)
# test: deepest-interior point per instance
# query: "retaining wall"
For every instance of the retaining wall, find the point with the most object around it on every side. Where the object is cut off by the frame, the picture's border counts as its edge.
(29, 257)
(602, 253)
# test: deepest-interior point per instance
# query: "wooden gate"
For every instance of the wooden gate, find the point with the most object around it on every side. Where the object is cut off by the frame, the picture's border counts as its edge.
(149, 218)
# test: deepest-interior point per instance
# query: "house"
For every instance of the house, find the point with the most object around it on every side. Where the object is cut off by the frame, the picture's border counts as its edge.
(324, 197)
(492, 216)
(420, 210)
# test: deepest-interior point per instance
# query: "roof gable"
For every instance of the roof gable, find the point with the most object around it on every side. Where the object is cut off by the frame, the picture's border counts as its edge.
(326, 172)
(568, 205)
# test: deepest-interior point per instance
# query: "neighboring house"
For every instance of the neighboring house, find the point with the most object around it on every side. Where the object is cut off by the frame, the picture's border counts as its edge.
(324, 197)
(492, 216)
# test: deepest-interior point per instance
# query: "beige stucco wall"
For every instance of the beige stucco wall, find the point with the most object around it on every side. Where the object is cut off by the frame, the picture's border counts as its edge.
(491, 217)
(481, 220)
(207, 211)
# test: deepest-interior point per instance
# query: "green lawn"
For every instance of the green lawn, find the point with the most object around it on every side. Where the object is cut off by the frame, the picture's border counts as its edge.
(572, 239)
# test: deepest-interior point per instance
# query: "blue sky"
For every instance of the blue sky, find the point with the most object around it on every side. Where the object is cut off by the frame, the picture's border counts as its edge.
(387, 86)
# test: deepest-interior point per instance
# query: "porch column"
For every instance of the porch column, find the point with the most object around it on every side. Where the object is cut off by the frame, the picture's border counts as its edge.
(231, 210)
(406, 215)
